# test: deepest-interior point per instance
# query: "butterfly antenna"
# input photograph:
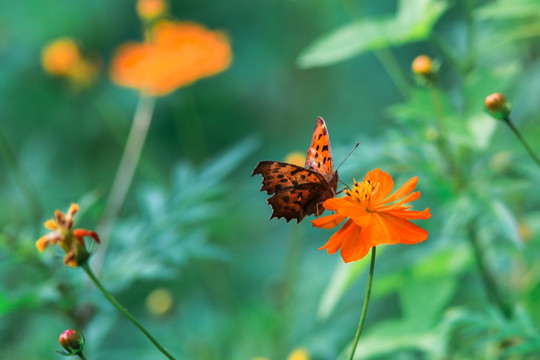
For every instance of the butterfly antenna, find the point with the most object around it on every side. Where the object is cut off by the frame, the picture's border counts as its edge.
(346, 157)
(347, 186)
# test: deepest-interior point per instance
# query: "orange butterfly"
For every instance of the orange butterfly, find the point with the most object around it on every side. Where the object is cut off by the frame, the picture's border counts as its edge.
(300, 191)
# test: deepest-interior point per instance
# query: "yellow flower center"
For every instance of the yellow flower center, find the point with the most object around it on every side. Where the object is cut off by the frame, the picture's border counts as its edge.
(362, 192)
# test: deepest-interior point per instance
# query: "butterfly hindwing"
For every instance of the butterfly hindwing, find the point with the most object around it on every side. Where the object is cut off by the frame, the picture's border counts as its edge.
(296, 190)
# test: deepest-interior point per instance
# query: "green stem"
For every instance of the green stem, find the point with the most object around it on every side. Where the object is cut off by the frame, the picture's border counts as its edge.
(366, 302)
(124, 312)
(124, 174)
(509, 122)
(487, 278)
(81, 356)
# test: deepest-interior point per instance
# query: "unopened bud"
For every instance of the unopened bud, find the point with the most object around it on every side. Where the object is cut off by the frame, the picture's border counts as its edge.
(498, 106)
(422, 65)
(71, 342)
(151, 9)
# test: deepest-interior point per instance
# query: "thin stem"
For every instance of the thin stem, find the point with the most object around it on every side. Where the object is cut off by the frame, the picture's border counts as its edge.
(124, 174)
(487, 278)
(81, 356)
(124, 312)
(366, 302)
(509, 122)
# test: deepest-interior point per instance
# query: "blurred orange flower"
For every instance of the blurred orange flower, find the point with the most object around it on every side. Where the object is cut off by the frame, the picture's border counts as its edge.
(375, 216)
(178, 54)
(71, 241)
(60, 56)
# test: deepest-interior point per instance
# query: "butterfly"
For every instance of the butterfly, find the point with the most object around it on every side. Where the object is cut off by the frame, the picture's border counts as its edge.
(299, 191)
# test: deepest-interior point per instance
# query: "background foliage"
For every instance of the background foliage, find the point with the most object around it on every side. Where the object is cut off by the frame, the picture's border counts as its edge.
(195, 223)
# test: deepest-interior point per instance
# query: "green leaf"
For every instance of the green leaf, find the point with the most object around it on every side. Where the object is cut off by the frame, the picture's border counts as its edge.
(413, 22)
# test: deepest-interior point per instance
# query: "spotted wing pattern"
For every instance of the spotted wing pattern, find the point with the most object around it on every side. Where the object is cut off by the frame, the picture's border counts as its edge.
(297, 191)
(319, 155)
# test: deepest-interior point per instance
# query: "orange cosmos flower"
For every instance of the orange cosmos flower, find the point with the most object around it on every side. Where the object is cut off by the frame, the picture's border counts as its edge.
(375, 216)
(71, 241)
(178, 54)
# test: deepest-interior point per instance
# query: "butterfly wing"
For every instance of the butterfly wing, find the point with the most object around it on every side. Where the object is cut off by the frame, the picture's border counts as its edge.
(319, 155)
(296, 191)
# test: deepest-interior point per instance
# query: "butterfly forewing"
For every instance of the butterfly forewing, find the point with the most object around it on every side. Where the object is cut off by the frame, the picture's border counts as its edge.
(319, 155)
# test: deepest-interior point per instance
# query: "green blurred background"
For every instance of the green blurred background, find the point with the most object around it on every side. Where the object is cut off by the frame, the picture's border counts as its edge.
(195, 224)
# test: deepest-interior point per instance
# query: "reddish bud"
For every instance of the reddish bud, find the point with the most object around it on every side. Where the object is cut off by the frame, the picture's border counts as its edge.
(497, 105)
(71, 342)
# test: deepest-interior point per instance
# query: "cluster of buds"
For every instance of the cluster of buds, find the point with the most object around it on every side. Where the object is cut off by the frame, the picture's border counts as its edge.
(70, 240)
(63, 58)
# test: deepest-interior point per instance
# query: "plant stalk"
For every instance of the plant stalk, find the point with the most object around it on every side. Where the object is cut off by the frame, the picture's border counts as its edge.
(124, 312)
(509, 122)
(124, 174)
(366, 303)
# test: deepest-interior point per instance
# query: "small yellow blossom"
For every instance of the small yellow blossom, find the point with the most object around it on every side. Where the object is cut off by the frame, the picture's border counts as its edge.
(299, 354)
(71, 241)
(296, 158)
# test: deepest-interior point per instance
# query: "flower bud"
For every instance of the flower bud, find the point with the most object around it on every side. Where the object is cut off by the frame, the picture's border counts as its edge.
(422, 65)
(71, 342)
(150, 9)
(59, 57)
(497, 105)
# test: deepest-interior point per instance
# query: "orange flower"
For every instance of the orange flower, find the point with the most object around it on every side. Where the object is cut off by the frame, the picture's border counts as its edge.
(179, 54)
(60, 56)
(375, 216)
(71, 241)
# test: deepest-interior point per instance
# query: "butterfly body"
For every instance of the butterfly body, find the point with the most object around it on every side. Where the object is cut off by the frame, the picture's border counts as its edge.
(300, 191)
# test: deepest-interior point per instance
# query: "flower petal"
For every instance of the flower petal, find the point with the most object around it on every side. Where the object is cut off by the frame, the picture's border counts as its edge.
(80, 233)
(51, 224)
(399, 204)
(409, 233)
(381, 232)
(328, 222)
(46, 240)
(386, 184)
(353, 248)
(410, 214)
(356, 212)
(334, 204)
(335, 240)
(403, 190)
